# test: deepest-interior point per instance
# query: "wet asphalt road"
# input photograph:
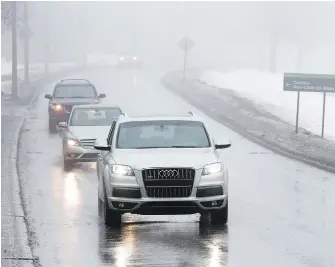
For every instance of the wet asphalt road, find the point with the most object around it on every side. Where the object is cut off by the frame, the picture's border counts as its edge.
(281, 212)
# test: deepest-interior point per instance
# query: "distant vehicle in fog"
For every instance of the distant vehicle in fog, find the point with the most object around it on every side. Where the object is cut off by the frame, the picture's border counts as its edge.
(86, 123)
(128, 60)
(66, 94)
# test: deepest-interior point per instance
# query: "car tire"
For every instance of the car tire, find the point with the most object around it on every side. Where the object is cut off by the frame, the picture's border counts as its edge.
(67, 164)
(220, 217)
(52, 126)
(111, 218)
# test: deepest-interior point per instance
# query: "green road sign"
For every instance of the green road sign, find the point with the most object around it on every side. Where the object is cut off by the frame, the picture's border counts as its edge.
(309, 82)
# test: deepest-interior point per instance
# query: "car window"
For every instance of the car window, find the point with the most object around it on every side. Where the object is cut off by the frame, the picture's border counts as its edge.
(75, 91)
(162, 134)
(94, 117)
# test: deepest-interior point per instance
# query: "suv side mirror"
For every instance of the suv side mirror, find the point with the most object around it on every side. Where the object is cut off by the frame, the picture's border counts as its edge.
(62, 124)
(101, 144)
(47, 96)
(221, 144)
(102, 95)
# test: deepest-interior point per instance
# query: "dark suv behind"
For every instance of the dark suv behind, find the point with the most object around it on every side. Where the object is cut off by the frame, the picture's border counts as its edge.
(66, 94)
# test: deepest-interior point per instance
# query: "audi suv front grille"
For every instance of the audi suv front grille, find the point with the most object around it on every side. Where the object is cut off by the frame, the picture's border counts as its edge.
(87, 143)
(168, 182)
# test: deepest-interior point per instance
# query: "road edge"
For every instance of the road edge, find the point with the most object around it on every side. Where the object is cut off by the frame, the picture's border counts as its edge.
(24, 229)
(251, 137)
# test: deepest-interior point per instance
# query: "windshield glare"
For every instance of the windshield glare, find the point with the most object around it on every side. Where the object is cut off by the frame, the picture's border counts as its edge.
(75, 91)
(162, 134)
(94, 117)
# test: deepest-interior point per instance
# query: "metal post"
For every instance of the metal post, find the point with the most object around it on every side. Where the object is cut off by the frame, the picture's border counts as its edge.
(297, 115)
(14, 52)
(323, 114)
(185, 56)
(26, 43)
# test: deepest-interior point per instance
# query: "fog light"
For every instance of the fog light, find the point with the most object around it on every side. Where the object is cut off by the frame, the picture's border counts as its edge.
(214, 203)
(121, 205)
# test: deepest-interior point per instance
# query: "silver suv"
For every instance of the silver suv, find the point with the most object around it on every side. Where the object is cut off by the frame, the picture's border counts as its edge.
(161, 165)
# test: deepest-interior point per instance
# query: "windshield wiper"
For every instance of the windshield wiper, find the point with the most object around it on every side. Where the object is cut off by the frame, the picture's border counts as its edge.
(78, 97)
(147, 147)
(185, 146)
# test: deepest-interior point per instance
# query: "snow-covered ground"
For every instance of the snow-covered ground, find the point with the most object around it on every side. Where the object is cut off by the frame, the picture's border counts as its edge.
(36, 71)
(266, 90)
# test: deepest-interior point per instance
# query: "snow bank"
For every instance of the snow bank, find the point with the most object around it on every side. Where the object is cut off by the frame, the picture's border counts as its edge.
(266, 90)
(36, 70)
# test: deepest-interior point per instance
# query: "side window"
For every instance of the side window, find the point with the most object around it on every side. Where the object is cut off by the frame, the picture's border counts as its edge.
(110, 134)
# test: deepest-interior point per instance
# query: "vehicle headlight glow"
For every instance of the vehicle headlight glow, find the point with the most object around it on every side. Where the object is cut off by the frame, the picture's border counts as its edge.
(122, 58)
(135, 58)
(73, 142)
(56, 107)
(212, 168)
(123, 170)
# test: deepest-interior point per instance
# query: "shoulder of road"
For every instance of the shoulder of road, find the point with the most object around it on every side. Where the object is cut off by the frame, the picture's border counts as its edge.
(257, 125)
(14, 241)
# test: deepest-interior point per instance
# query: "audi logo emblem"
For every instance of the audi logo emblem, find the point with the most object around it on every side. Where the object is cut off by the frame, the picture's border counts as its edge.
(168, 173)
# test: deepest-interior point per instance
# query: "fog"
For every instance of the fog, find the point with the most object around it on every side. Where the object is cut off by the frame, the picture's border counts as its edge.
(276, 36)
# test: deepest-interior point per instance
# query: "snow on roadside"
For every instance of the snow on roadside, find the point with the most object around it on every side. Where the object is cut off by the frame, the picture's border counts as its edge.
(36, 70)
(266, 90)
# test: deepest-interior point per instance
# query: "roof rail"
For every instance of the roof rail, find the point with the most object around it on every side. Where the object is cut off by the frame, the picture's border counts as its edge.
(74, 79)
(190, 113)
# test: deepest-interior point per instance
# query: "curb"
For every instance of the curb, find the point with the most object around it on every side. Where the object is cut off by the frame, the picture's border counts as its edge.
(17, 187)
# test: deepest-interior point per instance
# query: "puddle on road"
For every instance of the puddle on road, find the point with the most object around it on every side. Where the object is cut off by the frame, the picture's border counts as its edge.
(164, 244)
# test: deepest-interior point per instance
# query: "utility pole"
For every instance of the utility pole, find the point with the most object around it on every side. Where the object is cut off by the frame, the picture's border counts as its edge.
(14, 51)
(46, 46)
(26, 42)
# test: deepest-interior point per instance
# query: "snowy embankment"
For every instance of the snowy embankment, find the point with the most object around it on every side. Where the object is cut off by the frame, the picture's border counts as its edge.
(266, 91)
(253, 120)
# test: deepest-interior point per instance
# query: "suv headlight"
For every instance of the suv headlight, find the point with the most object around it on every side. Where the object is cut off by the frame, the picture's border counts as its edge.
(123, 170)
(56, 107)
(72, 142)
(212, 168)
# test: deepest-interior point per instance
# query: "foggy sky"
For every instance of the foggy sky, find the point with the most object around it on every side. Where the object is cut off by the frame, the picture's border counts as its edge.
(226, 34)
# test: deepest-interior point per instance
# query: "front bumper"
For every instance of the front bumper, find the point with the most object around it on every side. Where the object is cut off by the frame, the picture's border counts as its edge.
(57, 117)
(80, 154)
(128, 195)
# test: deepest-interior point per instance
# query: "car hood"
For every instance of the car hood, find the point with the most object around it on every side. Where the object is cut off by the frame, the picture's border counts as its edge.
(75, 101)
(89, 132)
(165, 157)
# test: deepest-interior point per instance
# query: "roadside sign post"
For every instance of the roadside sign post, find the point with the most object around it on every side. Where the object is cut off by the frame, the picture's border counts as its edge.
(300, 82)
(297, 115)
(185, 44)
(323, 114)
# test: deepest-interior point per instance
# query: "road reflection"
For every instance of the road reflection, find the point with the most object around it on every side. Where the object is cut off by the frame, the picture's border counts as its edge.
(163, 244)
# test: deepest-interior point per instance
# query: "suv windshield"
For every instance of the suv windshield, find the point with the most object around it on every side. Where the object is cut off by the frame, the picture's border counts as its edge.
(94, 117)
(75, 91)
(162, 134)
